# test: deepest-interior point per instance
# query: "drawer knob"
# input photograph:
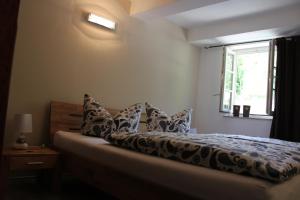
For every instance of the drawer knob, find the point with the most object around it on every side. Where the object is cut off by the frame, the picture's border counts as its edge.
(35, 163)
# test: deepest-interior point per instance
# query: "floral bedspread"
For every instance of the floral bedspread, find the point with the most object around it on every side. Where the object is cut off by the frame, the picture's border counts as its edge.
(271, 159)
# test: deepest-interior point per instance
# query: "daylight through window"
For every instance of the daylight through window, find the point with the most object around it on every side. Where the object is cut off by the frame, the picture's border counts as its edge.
(248, 77)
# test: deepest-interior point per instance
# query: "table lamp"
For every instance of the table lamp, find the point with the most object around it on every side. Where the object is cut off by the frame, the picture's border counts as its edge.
(23, 125)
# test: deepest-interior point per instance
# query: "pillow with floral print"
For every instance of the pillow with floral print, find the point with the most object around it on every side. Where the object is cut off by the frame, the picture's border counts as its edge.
(98, 122)
(158, 120)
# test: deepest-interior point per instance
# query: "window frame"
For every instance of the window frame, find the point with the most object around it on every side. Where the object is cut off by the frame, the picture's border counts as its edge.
(270, 81)
(270, 78)
(232, 92)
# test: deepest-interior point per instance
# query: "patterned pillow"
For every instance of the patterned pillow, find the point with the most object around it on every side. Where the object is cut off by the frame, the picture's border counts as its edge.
(97, 121)
(158, 120)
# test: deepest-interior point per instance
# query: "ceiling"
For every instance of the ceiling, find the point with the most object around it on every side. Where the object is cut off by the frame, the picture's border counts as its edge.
(212, 22)
(227, 10)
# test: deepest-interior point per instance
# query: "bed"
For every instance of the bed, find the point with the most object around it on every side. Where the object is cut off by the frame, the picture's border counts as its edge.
(131, 175)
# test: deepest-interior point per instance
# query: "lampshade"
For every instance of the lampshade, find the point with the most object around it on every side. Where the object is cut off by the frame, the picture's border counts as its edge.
(23, 123)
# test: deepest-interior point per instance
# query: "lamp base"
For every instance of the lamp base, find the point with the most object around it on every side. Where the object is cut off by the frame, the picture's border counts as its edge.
(21, 142)
(20, 146)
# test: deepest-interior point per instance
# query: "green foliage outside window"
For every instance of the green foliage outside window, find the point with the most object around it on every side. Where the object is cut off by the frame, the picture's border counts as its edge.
(240, 76)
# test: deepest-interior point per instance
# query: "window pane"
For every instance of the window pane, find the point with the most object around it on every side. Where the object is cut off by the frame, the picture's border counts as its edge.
(251, 83)
(273, 100)
(275, 56)
(274, 78)
(228, 80)
(230, 62)
(227, 101)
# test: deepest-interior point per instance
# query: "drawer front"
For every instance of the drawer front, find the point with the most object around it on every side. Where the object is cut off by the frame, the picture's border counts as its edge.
(32, 163)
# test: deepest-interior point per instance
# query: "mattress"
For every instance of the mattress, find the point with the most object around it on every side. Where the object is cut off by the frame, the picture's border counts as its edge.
(199, 182)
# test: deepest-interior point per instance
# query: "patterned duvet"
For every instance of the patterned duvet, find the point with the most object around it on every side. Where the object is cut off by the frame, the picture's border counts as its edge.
(271, 159)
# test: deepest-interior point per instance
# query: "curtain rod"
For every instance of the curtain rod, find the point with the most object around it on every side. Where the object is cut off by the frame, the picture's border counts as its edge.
(224, 45)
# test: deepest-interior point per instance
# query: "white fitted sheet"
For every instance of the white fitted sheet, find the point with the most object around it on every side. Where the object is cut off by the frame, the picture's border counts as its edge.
(197, 181)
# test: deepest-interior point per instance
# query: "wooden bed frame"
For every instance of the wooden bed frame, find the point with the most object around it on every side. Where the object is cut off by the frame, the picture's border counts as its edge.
(68, 117)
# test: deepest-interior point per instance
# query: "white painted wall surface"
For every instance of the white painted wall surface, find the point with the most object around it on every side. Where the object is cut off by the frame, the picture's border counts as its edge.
(59, 56)
(208, 117)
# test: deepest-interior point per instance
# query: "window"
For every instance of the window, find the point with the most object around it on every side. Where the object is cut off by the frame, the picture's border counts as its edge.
(248, 77)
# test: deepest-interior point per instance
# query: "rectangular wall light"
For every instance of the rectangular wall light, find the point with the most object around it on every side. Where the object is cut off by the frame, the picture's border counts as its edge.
(101, 21)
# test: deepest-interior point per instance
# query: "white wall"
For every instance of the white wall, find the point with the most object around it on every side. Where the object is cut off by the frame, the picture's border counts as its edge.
(208, 117)
(59, 56)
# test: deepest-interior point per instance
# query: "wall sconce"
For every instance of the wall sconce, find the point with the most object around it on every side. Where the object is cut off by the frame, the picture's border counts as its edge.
(101, 21)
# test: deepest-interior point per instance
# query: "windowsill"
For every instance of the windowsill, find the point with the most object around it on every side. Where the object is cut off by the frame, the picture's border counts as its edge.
(255, 117)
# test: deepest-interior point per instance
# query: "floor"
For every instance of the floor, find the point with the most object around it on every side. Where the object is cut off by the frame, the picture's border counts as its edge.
(30, 189)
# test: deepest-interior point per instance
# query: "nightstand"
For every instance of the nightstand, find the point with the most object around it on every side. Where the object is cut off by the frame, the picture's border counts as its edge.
(33, 158)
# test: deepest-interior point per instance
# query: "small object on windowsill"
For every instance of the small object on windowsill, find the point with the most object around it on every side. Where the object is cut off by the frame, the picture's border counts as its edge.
(236, 110)
(246, 111)
(253, 117)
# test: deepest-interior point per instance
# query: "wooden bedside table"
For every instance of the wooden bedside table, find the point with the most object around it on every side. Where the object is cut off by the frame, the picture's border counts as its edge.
(33, 158)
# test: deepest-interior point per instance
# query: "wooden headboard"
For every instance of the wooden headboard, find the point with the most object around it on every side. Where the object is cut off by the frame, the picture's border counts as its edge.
(68, 117)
